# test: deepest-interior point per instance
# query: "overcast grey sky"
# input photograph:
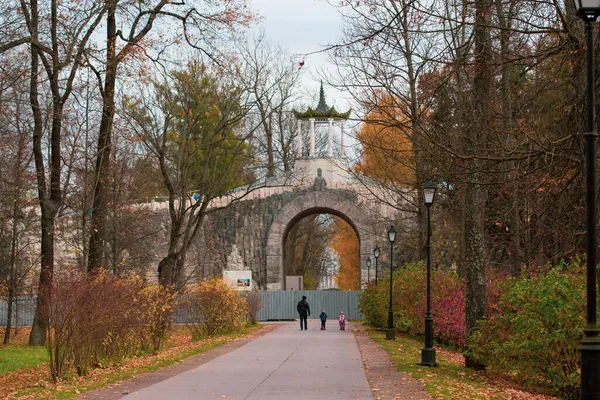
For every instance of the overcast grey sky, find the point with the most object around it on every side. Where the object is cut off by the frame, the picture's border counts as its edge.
(303, 26)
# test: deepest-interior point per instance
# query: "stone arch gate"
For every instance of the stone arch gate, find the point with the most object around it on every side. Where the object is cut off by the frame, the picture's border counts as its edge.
(250, 233)
(341, 203)
(247, 229)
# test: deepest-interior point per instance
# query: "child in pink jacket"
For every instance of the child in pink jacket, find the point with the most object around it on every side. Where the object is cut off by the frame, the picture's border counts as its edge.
(342, 320)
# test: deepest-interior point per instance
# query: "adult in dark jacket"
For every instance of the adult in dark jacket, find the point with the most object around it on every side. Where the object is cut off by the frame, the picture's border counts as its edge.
(304, 311)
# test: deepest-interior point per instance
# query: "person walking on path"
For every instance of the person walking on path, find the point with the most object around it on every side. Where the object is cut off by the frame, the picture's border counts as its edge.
(342, 320)
(304, 311)
(323, 317)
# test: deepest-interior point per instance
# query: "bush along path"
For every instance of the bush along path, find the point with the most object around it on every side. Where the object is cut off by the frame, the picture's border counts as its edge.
(533, 326)
(450, 380)
(180, 353)
(108, 328)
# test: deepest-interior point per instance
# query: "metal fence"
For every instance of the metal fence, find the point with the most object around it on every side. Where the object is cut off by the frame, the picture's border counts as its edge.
(22, 312)
(281, 305)
(276, 305)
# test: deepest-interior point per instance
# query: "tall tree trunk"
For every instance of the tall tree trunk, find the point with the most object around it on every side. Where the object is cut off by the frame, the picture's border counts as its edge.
(12, 280)
(49, 206)
(16, 212)
(96, 249)
(514, 216)
(170, 269)
(475, 290)
(40, 319)
(270, 155)
(475, 197)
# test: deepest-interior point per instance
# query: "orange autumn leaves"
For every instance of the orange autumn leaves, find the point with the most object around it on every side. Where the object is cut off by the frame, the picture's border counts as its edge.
(387, 157)
(345, 244)
(386, 139)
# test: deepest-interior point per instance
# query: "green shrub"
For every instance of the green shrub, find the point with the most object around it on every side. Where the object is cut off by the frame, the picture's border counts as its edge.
(534, 330)
(373, 304)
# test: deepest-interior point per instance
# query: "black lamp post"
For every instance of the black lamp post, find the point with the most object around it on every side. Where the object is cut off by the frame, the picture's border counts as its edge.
(390, 333)
(376, 254)
(428, 352)
(369, 270)
(589, 10)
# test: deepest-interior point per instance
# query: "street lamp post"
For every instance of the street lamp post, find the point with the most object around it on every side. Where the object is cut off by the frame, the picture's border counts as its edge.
(376, 254)
(589, 10)
(390, 333)
(369, 269)
(428, 352)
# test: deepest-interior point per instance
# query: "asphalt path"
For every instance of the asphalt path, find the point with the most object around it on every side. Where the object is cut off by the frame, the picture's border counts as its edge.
(286, 364)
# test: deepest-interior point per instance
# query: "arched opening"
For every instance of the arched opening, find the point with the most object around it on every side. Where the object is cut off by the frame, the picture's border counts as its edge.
(338, 203)
(321, 250)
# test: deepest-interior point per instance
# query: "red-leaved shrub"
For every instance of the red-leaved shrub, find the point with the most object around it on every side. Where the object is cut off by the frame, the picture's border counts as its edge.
(410, 302)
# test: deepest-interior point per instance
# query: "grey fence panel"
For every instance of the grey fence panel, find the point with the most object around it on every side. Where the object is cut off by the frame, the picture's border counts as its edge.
(22, 312)
(276, 305)
(281, 305)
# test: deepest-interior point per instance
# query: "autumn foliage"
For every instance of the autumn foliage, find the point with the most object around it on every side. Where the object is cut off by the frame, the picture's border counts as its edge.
(214, 307)
(387, 144)
(99, 320)
(531, 331)
(388, 156)
(345, 244)
(409, 288)
(534, 328)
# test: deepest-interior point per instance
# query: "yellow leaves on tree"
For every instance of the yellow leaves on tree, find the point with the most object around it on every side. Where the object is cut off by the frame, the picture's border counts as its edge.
(345, 244)
(386, 138)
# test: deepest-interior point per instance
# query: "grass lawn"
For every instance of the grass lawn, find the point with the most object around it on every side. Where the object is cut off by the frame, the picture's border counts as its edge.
(18, 355)
(14, 357)
(450, 380)
(32, 379)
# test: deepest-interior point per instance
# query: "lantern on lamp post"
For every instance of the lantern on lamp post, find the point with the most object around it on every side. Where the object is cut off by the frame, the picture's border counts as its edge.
(376, 254)
(428, 352)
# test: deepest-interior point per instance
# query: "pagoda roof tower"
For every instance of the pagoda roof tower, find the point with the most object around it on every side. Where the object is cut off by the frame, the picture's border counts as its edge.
(322, 111)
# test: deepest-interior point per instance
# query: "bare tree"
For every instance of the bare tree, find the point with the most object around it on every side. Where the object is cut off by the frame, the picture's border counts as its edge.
(201, 23)
(57, 45)
(16, 182)
(272, 78)
(386, 49)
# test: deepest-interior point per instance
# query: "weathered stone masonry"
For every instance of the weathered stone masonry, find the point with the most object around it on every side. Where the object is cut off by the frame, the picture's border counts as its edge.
(254, 231)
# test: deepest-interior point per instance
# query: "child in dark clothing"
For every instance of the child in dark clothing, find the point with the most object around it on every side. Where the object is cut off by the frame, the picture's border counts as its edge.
(323, 317)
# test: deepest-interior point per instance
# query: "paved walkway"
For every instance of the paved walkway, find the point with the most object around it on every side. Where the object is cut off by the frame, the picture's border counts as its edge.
(284, 364)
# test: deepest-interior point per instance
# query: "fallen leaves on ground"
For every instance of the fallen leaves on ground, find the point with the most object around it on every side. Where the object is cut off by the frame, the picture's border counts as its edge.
(508, 389)
(450, 380)
(17, 384)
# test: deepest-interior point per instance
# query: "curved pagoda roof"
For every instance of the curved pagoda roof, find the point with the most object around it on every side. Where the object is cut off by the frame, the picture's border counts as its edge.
(322, 111)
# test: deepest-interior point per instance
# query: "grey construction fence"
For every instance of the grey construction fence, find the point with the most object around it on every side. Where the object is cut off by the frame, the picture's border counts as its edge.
(22, 312)
(276, 305)
(281, 304)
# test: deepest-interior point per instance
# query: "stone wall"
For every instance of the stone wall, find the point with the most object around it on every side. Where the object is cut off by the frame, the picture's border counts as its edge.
(252, 232)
